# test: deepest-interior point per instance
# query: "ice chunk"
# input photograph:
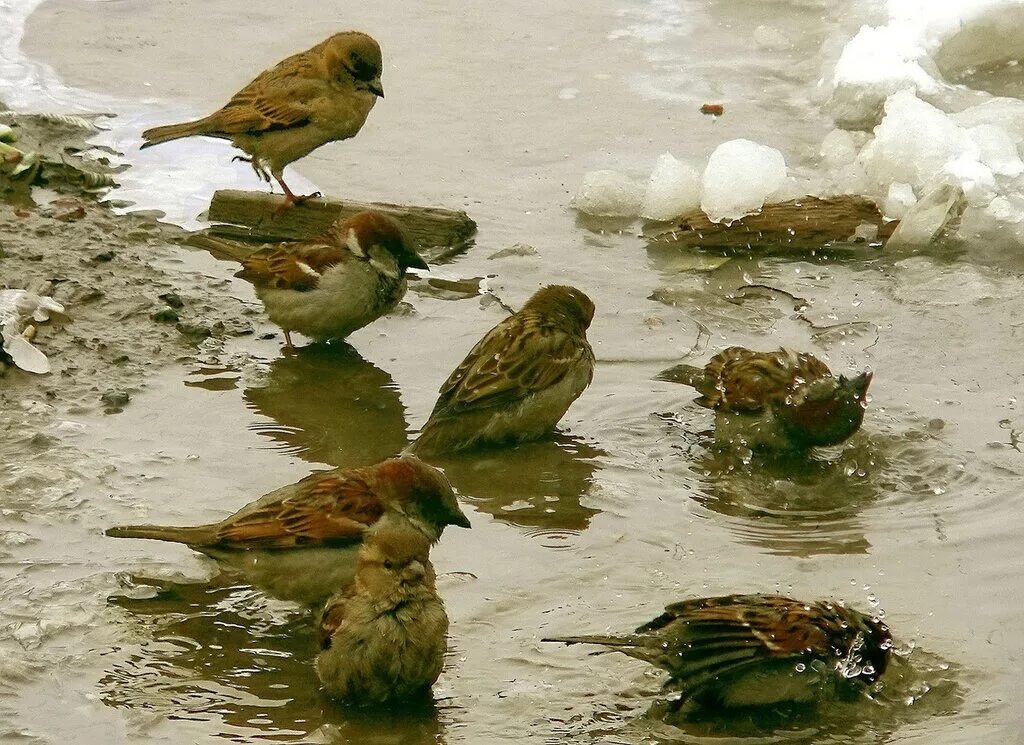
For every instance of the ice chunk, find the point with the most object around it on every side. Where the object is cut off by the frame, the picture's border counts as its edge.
(899, 200)
(975, 179)
(738, 177)
(873, 65)
(1005, 113)
(673, 189)
(913, 142)
(838, 148)
(608, 194)
(997, 149)
(929, 216)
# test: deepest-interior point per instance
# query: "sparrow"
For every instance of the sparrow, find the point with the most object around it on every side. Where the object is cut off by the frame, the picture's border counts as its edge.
(782, 400)
(757, 650)
(307, 100)
(300, 542)
(332, 285)
(384, 638)
(520, 379)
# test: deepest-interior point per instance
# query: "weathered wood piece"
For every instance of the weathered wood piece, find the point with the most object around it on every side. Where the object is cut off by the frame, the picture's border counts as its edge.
(803, 224)
(253, 216)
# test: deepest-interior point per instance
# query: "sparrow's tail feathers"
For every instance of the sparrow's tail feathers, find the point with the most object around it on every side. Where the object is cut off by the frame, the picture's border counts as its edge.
(222, 248)
(168, 132)
(694, 377)
(201, 535)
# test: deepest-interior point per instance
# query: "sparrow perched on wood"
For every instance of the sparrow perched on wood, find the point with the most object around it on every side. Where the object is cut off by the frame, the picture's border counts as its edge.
(384, 638)
(757, 650)
(520, 379)
(332, 285)
(780, 400)
(305, 101)
(300, 542)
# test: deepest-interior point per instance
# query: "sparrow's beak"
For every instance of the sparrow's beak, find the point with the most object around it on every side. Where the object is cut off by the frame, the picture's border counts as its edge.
(459, 518)
(375, 87)
(415, 261)
(414, 572)
(860, 384)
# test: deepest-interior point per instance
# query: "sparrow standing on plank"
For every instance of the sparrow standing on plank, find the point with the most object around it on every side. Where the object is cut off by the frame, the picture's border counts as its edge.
(780, 400)
(300, 542)
(305, 101)
(330, 286)
(757, 650)
(520, 379)
(385, 637)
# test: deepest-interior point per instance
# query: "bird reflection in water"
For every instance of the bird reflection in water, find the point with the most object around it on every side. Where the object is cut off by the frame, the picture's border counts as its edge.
(537, 485)
(227, 653)
(329, 405)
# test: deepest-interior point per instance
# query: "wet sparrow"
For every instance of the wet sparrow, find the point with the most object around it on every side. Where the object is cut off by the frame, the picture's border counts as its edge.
(384, 638)
(520, 379)
(305, 101)
(757, 650)
(776, 400)
(330, 286)
(300, 542)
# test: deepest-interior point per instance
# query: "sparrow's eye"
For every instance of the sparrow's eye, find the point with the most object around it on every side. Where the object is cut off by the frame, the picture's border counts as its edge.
(388, 564)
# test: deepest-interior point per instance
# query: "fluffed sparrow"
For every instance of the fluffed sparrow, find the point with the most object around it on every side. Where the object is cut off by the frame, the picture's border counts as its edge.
(332, 285)
(305, 101)
(300, 542)
(757, 650)
(520, 379)
(385, 637)
(782, 400)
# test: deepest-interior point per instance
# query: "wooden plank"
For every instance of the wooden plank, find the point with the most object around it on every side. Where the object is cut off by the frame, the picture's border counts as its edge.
(256, 213)
(803, 224)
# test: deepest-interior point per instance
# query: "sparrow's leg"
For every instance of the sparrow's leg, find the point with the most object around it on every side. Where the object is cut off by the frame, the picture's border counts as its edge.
(288, 340)
(290, 198)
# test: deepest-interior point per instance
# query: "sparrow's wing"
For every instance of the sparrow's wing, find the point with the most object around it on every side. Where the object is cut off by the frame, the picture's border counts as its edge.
(708, 637)
(521, 355)
(741, 380)
(331, 618)
(296, 266)
(280, 98)
(328, 508)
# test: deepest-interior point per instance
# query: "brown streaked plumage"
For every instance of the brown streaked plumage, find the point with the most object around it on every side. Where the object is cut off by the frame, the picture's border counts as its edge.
(300, 541)
(385, 637)
(520, 379)
(307, 100)
(748, 650)
(332, 285)
(777, 400)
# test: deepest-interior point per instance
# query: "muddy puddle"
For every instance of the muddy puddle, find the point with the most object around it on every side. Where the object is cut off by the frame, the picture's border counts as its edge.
(917, 516)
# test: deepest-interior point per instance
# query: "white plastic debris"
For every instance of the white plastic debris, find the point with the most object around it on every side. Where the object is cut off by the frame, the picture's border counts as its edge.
(922, 224)
(18, 309)
(672, 190)
(739, 176)
(899, 200)
(608, 194)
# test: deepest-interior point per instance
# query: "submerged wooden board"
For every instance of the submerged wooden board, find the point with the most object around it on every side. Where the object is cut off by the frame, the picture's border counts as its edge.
(253, 216)
(803, 224)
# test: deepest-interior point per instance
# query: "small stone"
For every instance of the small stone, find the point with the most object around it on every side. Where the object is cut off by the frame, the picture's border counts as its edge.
(104, 257)
(115, 399)
(166, 315)
(173, 299)
(197, 330)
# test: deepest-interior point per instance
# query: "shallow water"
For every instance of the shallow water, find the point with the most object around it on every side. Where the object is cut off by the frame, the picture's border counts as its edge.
(500, 110)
